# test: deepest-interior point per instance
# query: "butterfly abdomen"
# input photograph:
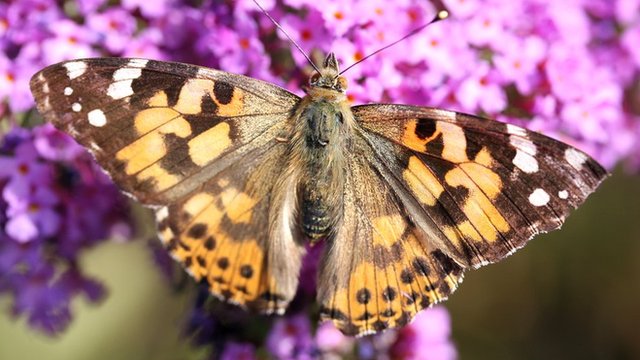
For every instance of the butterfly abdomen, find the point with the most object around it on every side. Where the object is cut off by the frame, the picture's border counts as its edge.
(315, 216)
(322, 143)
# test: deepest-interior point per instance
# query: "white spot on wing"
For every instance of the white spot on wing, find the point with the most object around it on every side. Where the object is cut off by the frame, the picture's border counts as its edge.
(96, 118)
(204, 72)
(563, 194)
(575, 158)
(525, 162)
(162, 213)
(516, 130)
(120, 89)
(68, 91)
(525, 152)
(539, 197)
(139, 63)
(45, 87)
(127, 74)
(523, 144)
(76, 107)
(75, 68)
(121, 86)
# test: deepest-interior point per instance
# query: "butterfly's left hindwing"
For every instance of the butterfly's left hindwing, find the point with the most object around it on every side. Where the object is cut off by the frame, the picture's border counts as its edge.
(199, 145)
(480, 188)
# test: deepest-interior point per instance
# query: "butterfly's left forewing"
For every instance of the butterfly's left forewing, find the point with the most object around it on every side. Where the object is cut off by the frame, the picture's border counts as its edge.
(199, 145)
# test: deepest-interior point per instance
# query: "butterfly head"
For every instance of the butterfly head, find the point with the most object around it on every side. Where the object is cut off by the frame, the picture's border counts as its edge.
(329, 76)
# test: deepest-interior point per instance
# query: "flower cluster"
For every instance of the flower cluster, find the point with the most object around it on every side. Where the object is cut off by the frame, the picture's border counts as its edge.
(55, 203)
(295, 337)
(567, 68)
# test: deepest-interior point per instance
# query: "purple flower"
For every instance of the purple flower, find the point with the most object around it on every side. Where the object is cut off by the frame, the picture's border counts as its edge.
(14, 81)
(309, 270)
(33, 216)
(55, 203)
(309, 32)
(481, 92)
(626, 11)
(519, 60)
(146, 45)
(115, 28)
(426, 338)
(238, 351)
(54, 145)
(330, 340)
(630, 41)
(69, 41)
(290, 338)
(338, 16)
(150, 9)
(485, 29)
(88, 7)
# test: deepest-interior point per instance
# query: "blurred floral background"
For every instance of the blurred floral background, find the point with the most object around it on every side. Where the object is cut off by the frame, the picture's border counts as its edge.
(82, 277)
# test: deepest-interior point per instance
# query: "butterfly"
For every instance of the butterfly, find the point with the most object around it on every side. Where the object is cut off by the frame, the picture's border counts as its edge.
(243, 175)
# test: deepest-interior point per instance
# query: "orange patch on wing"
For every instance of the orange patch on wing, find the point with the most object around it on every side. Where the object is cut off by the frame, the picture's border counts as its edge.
(238, 205)
(390, 296)
(159, 99)
(191, 94)
(149, 119)
(387, 230)
(455, 143)
(487, 180)
(207, 146)
(462, 230)
(423, 184)
(484, 157)
(482, 214)
(235, 107)
(161, 178)
(453, 139)
(151, 147)
(197, 203)
(411, 140)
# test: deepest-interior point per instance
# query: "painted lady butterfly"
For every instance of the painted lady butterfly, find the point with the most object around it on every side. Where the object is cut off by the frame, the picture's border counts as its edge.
(242, 174)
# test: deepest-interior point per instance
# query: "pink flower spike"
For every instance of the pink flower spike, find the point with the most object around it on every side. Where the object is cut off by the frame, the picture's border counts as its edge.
(518, 61)
(339, 17)
(482, 91)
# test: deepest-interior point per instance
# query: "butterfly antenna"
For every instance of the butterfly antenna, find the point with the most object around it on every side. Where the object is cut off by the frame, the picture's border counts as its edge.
(287, 35)
(442, 14)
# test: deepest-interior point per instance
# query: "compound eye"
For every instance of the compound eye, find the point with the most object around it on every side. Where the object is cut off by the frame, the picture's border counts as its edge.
(314, 78)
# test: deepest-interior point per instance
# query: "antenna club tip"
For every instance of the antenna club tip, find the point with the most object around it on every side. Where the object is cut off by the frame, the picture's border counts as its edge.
(442, 14)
